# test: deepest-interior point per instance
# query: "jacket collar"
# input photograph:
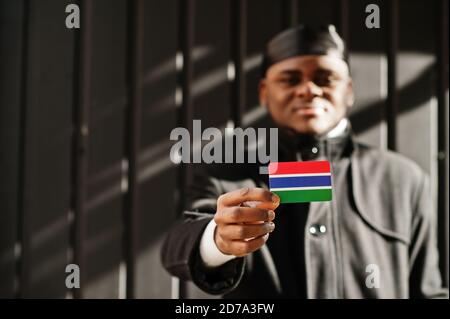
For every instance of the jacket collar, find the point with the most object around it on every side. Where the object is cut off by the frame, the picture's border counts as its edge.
(333, 146)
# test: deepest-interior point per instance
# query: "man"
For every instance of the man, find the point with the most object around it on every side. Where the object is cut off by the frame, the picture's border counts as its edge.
(375, 239)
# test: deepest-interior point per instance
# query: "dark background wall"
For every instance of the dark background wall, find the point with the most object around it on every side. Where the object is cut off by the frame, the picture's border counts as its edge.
(85, 119)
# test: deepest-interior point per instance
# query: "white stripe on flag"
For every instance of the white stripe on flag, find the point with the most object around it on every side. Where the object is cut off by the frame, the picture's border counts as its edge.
(300, 175)
(299, 188)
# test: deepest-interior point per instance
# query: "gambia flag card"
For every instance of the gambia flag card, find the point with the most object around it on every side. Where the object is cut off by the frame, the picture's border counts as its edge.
(298, 182)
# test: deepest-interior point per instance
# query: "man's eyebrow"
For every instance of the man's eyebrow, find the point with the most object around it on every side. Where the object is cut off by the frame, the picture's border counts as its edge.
(325, 71)
(290, 72)
(328, 72)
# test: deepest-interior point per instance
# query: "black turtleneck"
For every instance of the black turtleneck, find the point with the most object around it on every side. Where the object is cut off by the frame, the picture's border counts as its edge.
(303, 147)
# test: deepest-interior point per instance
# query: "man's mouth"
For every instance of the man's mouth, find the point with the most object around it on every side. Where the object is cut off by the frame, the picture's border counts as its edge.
(310, 109)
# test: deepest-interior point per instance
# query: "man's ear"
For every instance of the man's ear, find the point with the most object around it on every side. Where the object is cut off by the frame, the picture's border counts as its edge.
(262, 89)
(350, 96)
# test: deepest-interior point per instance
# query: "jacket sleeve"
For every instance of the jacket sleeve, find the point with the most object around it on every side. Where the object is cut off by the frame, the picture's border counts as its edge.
(180, 253)
(425, 277)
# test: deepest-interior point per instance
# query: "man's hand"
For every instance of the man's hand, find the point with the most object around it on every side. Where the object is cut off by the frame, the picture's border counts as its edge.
(241, 230)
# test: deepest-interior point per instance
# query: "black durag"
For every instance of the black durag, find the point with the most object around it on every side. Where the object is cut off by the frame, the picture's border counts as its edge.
(303, 40)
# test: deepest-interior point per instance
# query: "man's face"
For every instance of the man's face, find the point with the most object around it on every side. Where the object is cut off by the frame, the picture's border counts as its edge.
(309, 94)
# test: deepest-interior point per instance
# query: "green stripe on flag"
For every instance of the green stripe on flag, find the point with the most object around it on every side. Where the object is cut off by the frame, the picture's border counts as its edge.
(307, 195)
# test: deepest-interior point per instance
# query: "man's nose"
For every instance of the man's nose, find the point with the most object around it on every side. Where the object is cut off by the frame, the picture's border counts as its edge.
(308, 89)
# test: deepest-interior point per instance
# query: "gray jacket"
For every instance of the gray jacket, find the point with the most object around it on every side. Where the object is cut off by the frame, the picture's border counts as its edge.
(375, 239)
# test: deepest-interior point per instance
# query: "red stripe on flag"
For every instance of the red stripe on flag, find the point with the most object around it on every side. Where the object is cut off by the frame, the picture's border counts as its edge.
(312, 167)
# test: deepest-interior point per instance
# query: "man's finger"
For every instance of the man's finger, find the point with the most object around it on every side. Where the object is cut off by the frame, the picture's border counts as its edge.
(234, 215)
(235, 198)
(241, 232)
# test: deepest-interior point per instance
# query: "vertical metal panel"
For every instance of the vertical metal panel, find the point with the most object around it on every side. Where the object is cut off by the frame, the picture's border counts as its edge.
(343, 19)
(157, 174)
(217, 74)
(392, 100)
(310, 12)
(11, 50)
(83, 64)
(105, 271)
(132, 142)
(368, 66)
(238, 49)
(290, 13)
(264, 20)
(417, 119)
(46, 150)
(24, 158)
(416, 109)
(185, 112)
(441, 18)
(212, 68)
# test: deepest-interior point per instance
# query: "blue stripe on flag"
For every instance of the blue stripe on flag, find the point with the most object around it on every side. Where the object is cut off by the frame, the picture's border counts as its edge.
(300, 181)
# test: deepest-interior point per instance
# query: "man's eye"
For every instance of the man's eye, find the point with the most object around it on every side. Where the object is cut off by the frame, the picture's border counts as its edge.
(290, 80)
(325, 80)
